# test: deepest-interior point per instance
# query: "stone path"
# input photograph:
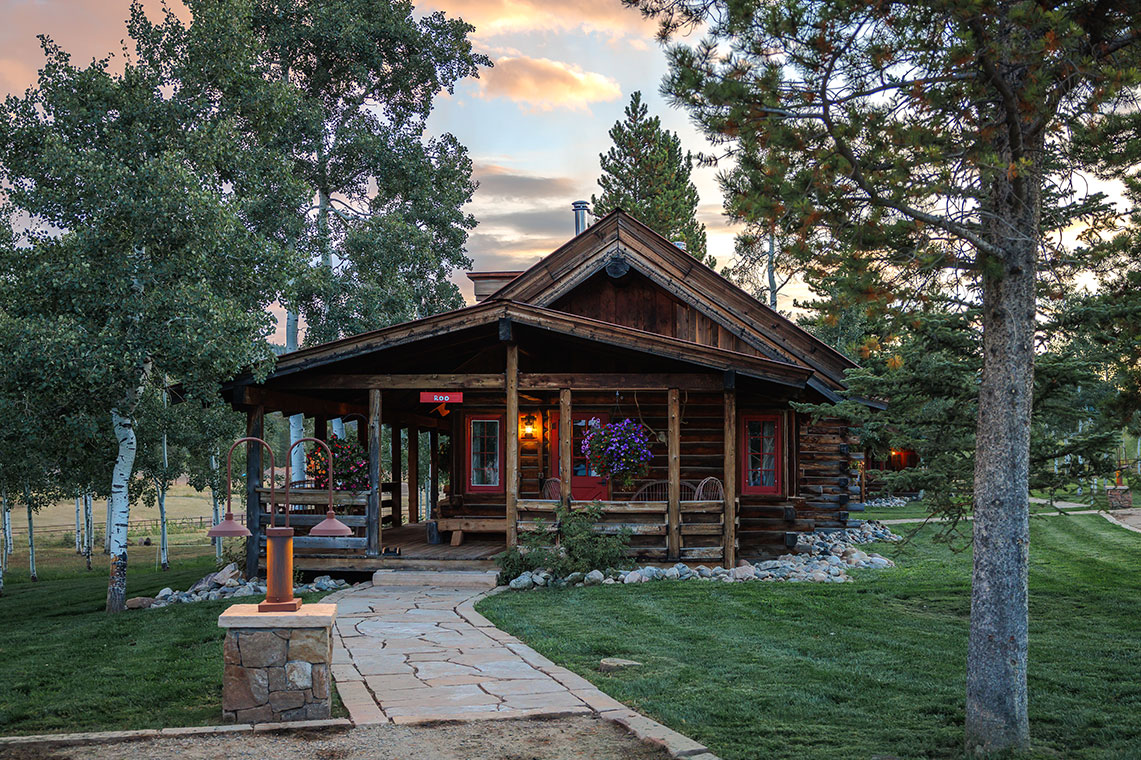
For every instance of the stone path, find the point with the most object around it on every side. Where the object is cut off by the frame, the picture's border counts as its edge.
(419, 653)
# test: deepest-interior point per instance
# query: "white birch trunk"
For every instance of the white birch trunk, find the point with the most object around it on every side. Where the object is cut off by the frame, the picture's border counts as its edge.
(107, 530)
(31, 534)
(772, 270)
(119, 506)
(78, 528)
(7, 519)
(164, 558)
(215, 503)
(88, 525)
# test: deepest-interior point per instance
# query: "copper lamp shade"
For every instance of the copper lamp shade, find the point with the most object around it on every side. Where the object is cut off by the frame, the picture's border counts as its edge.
(229, 528)
(330, 526)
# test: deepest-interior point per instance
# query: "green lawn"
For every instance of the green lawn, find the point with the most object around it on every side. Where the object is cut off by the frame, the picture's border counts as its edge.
(66, 666)
(873, 668)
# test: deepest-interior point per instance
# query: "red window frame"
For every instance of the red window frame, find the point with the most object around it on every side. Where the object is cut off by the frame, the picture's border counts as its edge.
(501, 486)
(778, 451)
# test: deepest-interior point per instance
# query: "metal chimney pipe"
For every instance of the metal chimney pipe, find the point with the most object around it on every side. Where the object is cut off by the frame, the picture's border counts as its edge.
(579, 216)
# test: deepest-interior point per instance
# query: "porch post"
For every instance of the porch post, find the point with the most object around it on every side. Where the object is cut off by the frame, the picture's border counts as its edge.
(373, 519)
(434, 466)
(729, 479)
(255, 418)
(397, 479)
(512, 421)
(413, 474)
(673, 513)
(566, 429)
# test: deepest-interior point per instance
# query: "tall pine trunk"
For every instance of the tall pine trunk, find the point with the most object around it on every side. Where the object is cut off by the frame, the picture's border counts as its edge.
(88, 525)
(120, 507)
(31, 534)
(996, 708)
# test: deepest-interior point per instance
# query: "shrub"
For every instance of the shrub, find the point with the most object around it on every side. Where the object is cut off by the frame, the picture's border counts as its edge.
(573, 547)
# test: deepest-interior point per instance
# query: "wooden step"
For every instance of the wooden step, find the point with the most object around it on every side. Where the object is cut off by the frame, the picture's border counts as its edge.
(435, 578)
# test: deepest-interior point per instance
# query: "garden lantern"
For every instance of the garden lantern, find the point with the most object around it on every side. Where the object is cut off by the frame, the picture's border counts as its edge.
(229, 527)
(529, 427)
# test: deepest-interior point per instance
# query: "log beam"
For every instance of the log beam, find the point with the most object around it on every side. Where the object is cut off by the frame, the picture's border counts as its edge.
(729, 479)
(374, 409)
(511, 471)
(413, 474)
(255, 423)
(673, 517)
(566, 428)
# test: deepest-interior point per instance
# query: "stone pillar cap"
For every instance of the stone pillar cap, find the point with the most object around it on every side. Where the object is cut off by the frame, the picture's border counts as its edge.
(309, 616)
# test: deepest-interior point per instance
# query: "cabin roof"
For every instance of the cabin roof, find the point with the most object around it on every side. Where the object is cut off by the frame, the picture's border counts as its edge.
(508, 313)
(620, 234)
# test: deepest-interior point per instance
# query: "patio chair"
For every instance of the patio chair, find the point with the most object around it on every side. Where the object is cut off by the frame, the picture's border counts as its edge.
(552, 489)
(710, 489)
(659, 490)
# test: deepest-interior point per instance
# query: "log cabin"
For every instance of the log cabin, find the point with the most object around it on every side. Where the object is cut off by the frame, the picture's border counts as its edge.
(488, 404)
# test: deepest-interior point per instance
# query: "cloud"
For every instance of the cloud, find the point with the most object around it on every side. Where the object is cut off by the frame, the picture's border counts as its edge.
(495, 17)
(544, 84)
(503, 183)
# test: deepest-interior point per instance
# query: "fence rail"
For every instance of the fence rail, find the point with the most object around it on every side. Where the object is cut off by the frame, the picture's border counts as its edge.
(133, 525)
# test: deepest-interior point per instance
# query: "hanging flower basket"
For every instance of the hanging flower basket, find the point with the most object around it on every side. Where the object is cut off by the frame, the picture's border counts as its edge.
(619, 451)
(350, 466)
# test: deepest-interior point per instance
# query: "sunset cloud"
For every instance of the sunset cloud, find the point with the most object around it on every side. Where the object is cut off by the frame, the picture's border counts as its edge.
(504, 183)
(544, 84)
(497, 17)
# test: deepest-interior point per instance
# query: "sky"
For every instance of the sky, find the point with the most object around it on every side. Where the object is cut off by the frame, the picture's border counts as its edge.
(534, 124)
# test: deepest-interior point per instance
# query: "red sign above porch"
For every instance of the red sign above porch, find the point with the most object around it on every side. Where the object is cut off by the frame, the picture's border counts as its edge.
(441, 397)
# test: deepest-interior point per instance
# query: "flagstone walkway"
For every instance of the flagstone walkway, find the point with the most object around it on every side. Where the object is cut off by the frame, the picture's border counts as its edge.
(419, 653)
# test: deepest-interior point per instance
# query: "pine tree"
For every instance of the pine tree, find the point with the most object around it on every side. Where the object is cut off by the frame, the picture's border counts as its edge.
(646, 174)
(928, 135)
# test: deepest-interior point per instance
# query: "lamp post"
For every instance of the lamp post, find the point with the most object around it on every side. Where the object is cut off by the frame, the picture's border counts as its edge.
(279, 540)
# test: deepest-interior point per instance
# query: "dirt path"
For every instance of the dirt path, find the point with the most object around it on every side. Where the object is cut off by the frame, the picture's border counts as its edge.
(575, 738)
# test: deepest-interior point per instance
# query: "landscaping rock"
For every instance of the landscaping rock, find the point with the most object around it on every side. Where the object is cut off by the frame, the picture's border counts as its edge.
(611, 664)
(634, 577)
(574, 578)
(593, 578)
(165, 593)
(743, 572)
(523, 582)
(140, 602)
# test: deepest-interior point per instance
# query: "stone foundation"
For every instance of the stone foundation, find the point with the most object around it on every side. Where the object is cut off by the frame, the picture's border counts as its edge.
(277, 664)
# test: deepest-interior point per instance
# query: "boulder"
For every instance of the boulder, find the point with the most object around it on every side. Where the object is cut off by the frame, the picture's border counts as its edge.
(575, 577)
(593, 578)
(671, 574)
(611, 664)
(522, 583)
(140, 602)
(165, 593)
(634, 577)
(743, 572)
(228, 572)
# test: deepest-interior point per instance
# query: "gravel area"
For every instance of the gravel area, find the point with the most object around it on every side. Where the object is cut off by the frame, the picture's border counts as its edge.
(572, 738)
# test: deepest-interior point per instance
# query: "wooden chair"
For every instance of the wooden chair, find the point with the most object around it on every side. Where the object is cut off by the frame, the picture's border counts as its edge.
(659, 490)
(552, 489)
(710, 489)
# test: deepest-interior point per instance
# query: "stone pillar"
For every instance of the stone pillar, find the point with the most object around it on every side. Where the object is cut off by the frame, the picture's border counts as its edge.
(277, 663)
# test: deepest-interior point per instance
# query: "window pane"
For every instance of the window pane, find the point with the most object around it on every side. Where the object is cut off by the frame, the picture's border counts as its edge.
(761, 453)
(485, 452)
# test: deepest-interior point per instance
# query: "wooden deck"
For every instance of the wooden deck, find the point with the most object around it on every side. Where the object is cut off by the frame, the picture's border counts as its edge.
(415, 554)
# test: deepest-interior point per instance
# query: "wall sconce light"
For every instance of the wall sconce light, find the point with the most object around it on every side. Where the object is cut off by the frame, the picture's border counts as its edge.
(529, 427)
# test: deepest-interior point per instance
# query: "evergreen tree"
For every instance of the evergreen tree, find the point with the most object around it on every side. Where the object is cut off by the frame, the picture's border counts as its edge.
(928, 134)
(646, 174)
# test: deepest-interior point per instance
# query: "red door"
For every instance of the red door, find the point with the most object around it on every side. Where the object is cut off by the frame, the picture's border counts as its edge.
(586, 483)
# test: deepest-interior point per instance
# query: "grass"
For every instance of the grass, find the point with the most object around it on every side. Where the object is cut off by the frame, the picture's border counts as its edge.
(874, 668)
(67, 666)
